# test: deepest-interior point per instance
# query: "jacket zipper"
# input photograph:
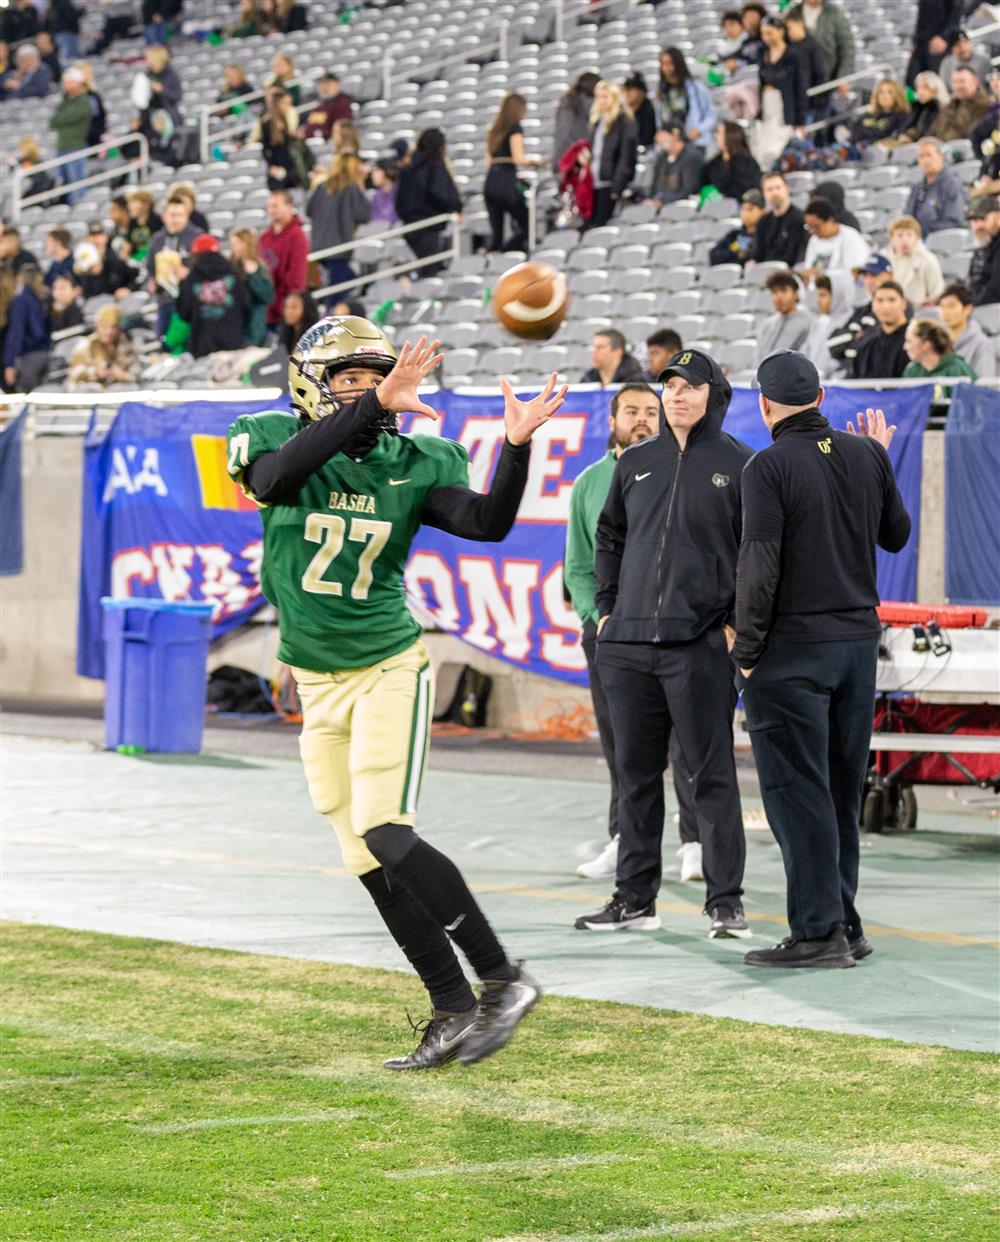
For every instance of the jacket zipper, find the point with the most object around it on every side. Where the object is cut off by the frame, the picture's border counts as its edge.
(663, 543)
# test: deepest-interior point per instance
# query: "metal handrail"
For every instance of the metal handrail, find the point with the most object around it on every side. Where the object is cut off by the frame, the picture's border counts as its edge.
(400, 230)
(832, 85)
(243, 124)
(112, 144)
(831, 122)
(500, 44)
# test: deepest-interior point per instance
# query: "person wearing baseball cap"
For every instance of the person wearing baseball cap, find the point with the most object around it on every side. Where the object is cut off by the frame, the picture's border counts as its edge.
(213, 299)
(678, 168)
(665, 559)
(984, 270)
(737, 245)
(843, 342)
(815, 504)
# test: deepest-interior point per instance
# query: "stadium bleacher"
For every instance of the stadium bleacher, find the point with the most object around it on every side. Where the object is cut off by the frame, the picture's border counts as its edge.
(641, 271)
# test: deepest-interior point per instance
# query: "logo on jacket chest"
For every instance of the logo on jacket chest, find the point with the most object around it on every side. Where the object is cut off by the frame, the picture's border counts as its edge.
(720, 480)
(352, 502)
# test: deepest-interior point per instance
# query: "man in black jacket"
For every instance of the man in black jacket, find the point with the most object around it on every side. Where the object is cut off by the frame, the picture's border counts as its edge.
(612, 363)
(666, 547)
(937, 26)
(984, 270)
(781, 234)
(879, 353)
(815, 504)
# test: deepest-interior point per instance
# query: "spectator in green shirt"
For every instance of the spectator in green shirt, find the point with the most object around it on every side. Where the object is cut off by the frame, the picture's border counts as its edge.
(71, 121)
(635, 415)
(928, 347)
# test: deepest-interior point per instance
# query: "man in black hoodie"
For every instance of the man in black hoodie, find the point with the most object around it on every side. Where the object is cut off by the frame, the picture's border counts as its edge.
(666, 547)
(815, 503)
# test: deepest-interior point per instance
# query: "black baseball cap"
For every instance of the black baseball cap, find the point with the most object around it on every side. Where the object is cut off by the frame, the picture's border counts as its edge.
(788, 377)
(753, 196)
(691, 365)
(677, 131)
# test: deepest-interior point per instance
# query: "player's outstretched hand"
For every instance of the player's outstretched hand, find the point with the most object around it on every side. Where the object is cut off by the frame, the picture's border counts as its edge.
(398, 391)
(523, 418)
(872, 424)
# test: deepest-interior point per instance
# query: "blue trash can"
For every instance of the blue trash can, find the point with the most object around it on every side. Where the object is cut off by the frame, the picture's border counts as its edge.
(155, 658)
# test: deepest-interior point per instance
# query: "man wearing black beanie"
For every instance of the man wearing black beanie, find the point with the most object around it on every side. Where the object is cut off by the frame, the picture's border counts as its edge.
(815, 504)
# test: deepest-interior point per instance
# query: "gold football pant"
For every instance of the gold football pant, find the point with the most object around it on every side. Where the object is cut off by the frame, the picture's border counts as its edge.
(365, 735)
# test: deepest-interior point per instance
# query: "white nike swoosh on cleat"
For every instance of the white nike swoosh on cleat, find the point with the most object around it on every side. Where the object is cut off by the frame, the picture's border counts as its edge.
(448, 1044)
(397, 482)
(639, 477)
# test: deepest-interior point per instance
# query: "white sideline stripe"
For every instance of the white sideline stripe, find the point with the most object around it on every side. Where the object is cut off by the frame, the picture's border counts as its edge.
(215, 1123)
(746, 1220)
(539, 1163)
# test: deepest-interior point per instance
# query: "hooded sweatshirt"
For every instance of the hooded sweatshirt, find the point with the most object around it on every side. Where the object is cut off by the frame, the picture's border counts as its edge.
(979, 350)
(918, 274)
(669, 533)
(286, 255)
(213, 299)
(816, 348)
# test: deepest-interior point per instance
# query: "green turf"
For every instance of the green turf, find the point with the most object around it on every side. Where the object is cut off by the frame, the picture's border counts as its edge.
(129, 1064)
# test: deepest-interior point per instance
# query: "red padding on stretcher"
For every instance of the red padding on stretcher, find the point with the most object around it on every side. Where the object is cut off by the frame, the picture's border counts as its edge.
(948, 616)
(909, 716)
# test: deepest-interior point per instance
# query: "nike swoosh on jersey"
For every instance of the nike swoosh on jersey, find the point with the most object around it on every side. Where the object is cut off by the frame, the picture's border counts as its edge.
(397, 482)
(640, 477)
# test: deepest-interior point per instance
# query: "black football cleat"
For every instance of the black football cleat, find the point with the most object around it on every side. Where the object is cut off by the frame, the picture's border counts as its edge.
(440, 1040)
(501, 1007)
(829, 953)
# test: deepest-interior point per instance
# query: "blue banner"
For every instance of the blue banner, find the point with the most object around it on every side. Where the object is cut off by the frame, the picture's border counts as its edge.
(162, 518)
(11, 498)
(972, 496)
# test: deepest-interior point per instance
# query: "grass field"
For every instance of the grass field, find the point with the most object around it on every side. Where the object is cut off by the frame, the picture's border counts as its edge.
(154, 1091)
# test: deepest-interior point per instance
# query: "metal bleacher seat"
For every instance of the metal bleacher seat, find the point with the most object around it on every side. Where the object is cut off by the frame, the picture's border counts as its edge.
(948, 241)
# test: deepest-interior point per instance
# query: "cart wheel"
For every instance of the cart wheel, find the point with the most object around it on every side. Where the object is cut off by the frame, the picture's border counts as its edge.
(871, 812)
(906, 810)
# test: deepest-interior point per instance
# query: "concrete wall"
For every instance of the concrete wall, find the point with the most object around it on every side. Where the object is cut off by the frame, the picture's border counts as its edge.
(38, 607)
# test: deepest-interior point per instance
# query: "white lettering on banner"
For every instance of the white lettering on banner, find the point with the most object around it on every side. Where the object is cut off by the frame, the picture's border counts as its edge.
(482, 438)
(172, 562)
(132, 563)
(168, 563)
(490, 610)
(129, 475)
(560, 646)
(539, 505)
(439, 601)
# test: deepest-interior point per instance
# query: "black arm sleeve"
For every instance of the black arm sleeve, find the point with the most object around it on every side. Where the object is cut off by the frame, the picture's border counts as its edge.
(609, 544)
(894, 524)
(487, 517)
(759, 566)
(274, 476)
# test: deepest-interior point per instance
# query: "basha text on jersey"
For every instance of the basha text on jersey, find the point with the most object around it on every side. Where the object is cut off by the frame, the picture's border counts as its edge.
(352, 502)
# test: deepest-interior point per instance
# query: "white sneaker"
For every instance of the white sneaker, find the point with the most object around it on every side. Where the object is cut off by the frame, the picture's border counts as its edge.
(604, 866)
(690, 856)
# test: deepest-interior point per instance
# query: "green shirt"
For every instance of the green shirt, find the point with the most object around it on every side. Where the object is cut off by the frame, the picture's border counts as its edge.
(71, 121)
(335, 552)
(586, 500)
(950, 364)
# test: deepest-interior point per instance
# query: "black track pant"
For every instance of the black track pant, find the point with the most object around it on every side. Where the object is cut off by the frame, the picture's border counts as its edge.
(605, 730)
(654, 691)
(503, 199)
(809, 712)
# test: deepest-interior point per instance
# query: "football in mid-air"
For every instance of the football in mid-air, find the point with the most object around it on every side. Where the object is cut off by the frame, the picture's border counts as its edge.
(531, 300)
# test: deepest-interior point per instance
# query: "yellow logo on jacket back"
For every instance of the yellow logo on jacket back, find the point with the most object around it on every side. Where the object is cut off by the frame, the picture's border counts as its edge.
(825, 446)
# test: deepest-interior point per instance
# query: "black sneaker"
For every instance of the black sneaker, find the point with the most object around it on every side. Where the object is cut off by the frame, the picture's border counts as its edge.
(859, 947)
(501, 1007)
(830, 953)
(728, 922)
(617, 915)
(440, 1040)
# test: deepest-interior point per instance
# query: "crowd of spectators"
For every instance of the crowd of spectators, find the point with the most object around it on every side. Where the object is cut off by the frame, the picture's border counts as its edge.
(615, 143)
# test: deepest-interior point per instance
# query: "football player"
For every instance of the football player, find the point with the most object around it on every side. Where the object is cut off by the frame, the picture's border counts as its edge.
(342, 495)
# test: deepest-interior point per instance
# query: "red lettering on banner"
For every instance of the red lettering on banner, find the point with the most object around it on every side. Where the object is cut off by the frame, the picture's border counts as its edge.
(221, 583)
(560, 646)
(430, 568)
(128, 564)
(494, 620)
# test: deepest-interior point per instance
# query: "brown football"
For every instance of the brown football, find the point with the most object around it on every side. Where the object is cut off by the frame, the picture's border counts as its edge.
(531, 300)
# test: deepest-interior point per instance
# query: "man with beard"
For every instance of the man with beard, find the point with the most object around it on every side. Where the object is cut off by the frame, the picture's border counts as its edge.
(635, 415)
(666, 548)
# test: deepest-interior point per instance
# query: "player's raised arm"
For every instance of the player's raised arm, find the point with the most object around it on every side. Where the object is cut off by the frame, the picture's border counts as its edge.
(489, 518)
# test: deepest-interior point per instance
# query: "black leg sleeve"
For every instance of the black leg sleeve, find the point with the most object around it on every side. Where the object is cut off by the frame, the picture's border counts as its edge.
(437, 884)
(424, 944)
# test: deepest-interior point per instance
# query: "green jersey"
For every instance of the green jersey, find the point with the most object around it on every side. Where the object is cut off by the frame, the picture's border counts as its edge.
(335, 552)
